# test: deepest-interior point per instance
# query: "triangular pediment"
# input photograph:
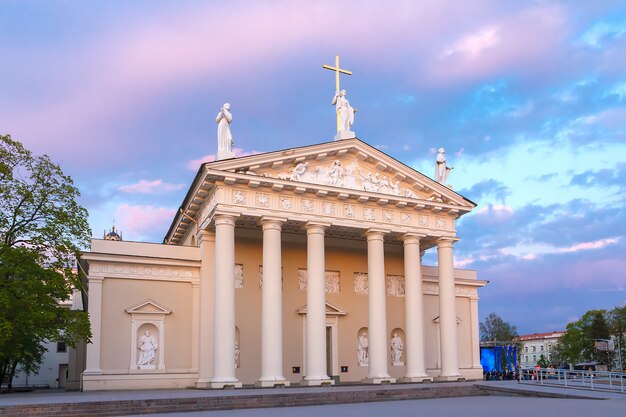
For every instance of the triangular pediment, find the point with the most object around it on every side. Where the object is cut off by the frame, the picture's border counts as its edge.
(148, 307)
(345, 170)
(331, 310)
(351, 165)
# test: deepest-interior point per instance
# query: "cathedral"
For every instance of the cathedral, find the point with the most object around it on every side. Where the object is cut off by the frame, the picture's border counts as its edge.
(298, 266)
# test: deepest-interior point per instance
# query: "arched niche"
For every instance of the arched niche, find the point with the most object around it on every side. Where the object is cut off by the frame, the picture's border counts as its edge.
(362, 346)
(237, 348)
(397, 347)
(147, 316)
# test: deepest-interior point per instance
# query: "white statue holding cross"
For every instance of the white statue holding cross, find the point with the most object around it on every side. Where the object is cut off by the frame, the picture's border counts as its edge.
(345, 112)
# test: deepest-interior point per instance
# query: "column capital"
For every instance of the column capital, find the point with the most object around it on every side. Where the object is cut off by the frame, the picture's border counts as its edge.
(271, 222)
(316, 227)
(225, 218)
(375, 234)
(205, 236)
(412, 238)
(446, 242)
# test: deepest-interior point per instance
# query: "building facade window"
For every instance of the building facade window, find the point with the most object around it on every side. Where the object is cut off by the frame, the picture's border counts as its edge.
(61, 346)
(534, 349)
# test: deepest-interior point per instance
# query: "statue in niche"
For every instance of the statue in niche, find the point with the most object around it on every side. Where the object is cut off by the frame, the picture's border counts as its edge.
(396, 350)
(237, 354)
(148, 346)
(363, 350)
(224, 137)
(344, 110)
(442, 170)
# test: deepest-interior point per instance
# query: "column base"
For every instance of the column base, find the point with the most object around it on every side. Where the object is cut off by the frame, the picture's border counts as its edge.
(317, 382)
(449, 378)
(275, 383)
(379, 380)
(413, 379)
(224, 384)
(203, 383)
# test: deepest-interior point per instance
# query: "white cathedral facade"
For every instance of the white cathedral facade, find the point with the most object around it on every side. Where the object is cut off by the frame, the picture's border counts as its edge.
(299, 266)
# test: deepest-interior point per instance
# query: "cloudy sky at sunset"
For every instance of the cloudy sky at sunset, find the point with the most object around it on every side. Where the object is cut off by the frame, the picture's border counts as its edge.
(527, 96)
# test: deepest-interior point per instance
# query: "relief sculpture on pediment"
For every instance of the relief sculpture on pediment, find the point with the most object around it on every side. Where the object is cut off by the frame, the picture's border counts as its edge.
(346, 174)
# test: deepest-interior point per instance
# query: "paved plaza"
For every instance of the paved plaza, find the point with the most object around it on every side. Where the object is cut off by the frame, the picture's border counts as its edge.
(507, 399)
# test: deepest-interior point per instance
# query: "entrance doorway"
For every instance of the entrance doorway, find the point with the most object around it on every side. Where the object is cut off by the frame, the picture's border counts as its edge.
(62, 381)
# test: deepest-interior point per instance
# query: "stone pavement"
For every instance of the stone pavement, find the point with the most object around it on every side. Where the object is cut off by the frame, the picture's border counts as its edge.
(479, 398)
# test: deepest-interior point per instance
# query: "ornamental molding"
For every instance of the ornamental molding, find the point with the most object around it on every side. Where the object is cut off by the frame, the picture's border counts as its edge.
(143, 271)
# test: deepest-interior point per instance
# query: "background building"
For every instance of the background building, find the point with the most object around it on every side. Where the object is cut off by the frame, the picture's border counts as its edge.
(537, 344)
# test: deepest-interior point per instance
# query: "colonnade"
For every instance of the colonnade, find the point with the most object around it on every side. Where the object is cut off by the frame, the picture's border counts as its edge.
(217, 288)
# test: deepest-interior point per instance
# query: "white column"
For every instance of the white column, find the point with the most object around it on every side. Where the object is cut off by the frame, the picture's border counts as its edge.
(272, 307)
(377, 310)
(315, 368)
(224, 304)
(447, 312)
(475, 334)
(195, 325)
(206, 241)
(414, 312)
(92, 365)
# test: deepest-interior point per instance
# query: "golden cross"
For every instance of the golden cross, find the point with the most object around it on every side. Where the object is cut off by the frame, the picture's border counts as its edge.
(337, 71)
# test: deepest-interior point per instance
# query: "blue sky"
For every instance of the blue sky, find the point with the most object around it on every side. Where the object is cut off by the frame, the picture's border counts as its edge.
(527, 97)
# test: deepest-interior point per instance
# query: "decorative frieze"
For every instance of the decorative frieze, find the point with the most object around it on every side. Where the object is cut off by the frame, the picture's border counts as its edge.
(145, 271)
(238, 276)
(369, 214)
(360, 283)
(262, 200)
(329, 209)
(285, 203)
(331, 281)
(394, 285)
(424, 221)
(239, 197)
(348, 211)
(307, 205)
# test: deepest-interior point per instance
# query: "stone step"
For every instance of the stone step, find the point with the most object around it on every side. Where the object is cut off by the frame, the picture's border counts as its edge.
(241, 400)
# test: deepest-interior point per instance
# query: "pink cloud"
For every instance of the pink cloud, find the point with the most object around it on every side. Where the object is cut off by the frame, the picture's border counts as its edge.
(150, 187)
(596, 244)
(137, 222)
(513, 42)
(495, 213)
(471, 46)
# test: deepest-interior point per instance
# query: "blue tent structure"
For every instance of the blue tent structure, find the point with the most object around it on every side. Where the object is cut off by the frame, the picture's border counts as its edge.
(499, 358)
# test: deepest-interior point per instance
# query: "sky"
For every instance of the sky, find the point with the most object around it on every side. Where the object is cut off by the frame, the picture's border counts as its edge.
(528, 97)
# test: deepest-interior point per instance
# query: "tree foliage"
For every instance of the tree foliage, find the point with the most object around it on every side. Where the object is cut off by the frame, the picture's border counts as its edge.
(494, 329)
(617, 325)
(42, 228)
(577, 344)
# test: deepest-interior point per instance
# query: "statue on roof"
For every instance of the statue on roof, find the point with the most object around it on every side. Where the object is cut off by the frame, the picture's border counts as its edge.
(345, 114)
(224, 137)
(442, 170)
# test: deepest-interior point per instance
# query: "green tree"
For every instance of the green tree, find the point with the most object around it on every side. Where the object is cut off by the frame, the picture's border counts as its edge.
(494, 329)
(42, 228)
(617, 325)
(577, 344)
(543, 361)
